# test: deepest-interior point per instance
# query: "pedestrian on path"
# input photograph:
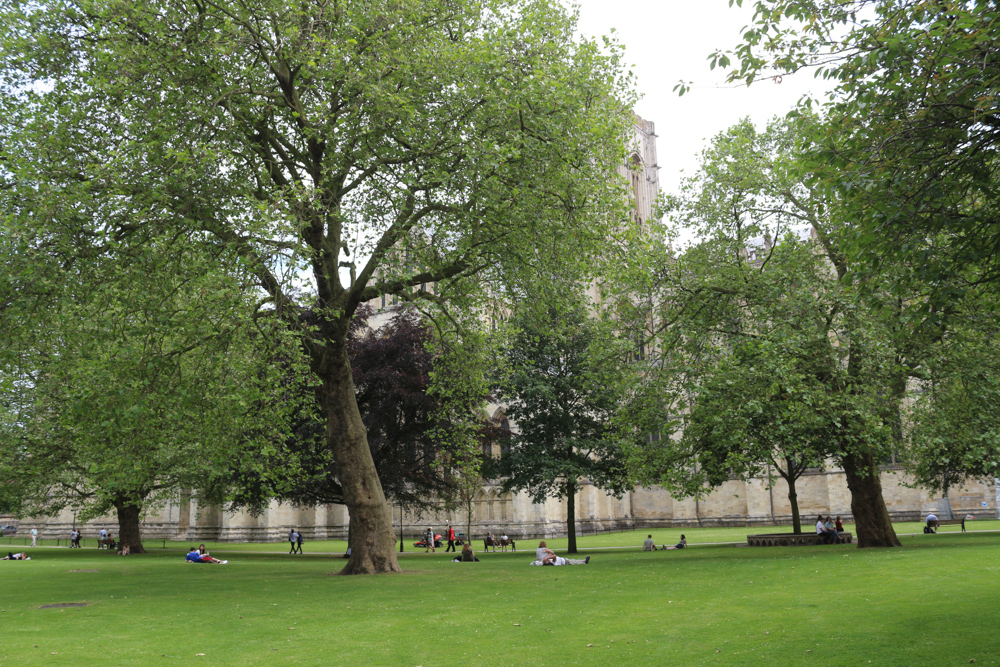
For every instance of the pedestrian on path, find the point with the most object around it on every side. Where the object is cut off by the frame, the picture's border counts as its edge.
(298, 540)
(34, 535)
(451, 539)
(291, 540)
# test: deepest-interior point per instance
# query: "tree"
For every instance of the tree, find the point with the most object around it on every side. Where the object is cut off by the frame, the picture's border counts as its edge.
(368, 148)
(563, 388)
(759, 406)
(124, 396)
(954, 432)
(913, 124)
(414, 432)
(771, 273)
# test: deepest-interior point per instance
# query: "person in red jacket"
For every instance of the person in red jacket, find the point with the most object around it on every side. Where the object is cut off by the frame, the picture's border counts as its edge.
(451, 539)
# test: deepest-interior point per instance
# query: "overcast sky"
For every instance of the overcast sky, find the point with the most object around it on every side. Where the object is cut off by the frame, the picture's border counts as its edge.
(670, 40)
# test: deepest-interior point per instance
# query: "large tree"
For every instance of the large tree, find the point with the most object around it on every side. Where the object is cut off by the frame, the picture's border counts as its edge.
(564, 382)
(364, 148)
(771, 270)
(118, 398)
(759, 407)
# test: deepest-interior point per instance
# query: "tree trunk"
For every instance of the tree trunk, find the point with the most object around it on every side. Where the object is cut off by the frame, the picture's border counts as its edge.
(468, 521)
(571, 516)
(372, 542)
(128, 526)
(871, 518)
(793, 500)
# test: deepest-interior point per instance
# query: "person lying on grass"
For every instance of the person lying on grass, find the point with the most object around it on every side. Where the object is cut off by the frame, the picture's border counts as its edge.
(546, 556)
(680, 545)
(195, 557)
(13, 556)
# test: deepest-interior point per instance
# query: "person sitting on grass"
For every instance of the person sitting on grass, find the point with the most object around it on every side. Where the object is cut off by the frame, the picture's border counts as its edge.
(546, 556)
(468, 556)
(126, 550)
(13, 556)
(195, 557)
(648, 544)
(680, 545)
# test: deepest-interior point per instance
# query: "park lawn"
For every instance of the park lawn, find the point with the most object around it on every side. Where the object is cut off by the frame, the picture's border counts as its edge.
(929, 603)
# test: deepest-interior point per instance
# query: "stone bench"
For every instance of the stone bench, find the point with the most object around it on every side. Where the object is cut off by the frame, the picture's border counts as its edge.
(792, 540)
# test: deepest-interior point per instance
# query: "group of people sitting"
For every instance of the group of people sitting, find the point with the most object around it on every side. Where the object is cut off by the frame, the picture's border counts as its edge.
(503, 542)
(830, 530)
(200, 555)
(650, 545)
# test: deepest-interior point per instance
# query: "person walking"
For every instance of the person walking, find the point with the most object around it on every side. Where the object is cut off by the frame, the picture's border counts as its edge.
(429, 540)
(298, 540)
(291, 540)
(451, 539)
(34, 535)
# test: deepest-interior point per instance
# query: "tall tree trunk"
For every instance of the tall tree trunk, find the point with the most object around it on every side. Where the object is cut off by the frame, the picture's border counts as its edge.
(871, 518)
(128, 526)
(571, 516)
(372, 542)
(468, 520)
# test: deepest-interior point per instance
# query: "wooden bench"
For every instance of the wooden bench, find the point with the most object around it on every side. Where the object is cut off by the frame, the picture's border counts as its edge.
(951, 522)
(793, 540)
(108, 543)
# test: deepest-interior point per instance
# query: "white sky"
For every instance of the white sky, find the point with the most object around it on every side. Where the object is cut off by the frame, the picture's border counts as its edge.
(669, 40)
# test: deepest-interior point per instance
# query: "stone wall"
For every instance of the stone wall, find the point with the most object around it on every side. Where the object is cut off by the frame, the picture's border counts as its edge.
(735, 503)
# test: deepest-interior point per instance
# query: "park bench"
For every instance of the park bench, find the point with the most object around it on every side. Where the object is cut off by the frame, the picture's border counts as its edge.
(952, 522)
(505, 542)
(792, 540)
(107, 543)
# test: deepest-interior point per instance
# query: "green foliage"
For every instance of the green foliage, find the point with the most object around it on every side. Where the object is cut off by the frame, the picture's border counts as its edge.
(955, 431)
(125, 394)
(341, 151)
(767, 356)
(566, 378)
(911, 141)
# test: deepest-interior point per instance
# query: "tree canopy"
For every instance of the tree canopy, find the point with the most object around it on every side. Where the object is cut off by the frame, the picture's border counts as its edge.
(119, 397)
(914, 125)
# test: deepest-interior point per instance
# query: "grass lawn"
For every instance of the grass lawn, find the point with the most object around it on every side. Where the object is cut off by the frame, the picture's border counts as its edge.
(932, 602)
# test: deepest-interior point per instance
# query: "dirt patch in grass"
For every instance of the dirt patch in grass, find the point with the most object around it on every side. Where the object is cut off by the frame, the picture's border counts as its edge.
(84, 570)
(62, 605)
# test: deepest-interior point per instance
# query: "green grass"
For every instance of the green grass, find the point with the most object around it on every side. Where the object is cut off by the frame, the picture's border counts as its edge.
(930, 603)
